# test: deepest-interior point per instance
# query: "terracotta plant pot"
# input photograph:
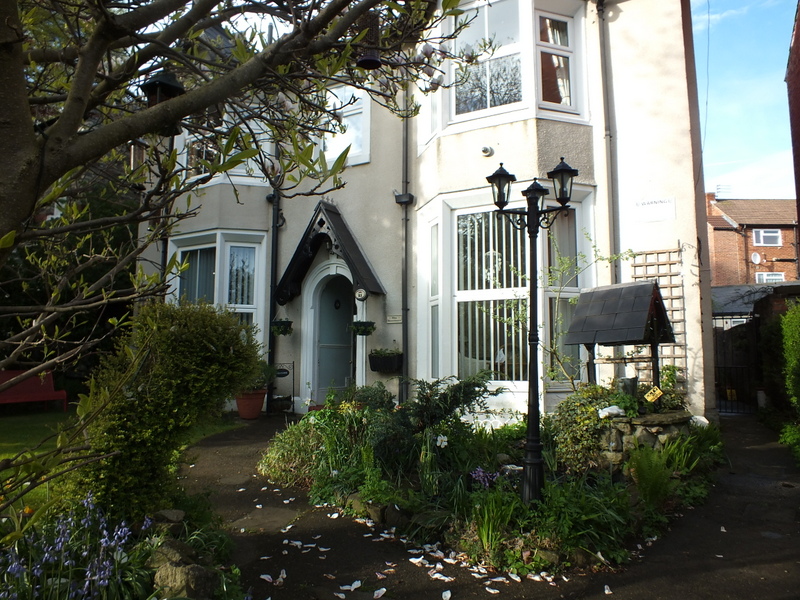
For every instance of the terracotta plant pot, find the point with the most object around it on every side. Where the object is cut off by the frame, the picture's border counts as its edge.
(249, 404)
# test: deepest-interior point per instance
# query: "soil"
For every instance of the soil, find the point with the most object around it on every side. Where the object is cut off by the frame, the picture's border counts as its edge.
(743, 543)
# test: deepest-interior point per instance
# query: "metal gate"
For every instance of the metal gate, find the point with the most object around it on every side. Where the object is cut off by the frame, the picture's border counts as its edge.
(737, 370)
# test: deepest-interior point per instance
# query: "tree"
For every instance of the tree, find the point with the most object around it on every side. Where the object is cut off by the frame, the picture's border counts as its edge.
(70, 84)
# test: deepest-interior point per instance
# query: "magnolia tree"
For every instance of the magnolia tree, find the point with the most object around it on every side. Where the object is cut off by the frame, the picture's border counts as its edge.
(253, 74)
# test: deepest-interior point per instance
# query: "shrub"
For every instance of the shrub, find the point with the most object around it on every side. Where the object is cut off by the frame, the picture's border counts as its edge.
(577, 428)
(654, 483)
(175, 367)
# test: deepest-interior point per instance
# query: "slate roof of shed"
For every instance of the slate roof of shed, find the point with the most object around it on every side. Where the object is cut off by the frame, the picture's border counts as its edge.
(625, 313)
(759, 212)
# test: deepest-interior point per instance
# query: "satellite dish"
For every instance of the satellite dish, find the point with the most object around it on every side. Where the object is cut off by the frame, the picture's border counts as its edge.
(755, 258)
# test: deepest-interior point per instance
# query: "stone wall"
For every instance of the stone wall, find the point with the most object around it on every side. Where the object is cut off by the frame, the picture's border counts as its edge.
(654, 430)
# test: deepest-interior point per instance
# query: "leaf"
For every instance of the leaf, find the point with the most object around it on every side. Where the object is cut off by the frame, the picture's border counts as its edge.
(8, 239)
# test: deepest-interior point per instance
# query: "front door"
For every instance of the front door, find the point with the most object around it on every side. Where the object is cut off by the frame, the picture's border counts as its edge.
(334, 364)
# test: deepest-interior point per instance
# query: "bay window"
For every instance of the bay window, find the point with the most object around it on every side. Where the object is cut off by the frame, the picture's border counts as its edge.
(554, 49)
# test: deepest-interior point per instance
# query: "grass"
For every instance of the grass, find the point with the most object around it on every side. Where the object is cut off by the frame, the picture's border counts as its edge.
(24, 429)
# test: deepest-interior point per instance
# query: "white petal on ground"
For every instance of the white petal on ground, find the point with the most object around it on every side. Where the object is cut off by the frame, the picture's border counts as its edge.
(265, 558)
(329, 576)
(266, 577)
(259, 506)
(419, 561)
(380, 575)
(492, 590)
(723, 530)
(242, 490)
(379, 593)
(607, 590)
(287, 528)
(391, 564)
(339, 595)
(333, 515)
(321, 549)
(446, 595)
(515, 577)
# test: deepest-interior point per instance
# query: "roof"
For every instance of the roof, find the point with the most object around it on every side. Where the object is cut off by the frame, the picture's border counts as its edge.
(737, 299)
(625, 313)
(759, 212)
(719, 222)
(327, 225)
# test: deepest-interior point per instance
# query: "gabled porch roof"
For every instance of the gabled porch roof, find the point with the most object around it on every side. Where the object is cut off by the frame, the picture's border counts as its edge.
(327, 226)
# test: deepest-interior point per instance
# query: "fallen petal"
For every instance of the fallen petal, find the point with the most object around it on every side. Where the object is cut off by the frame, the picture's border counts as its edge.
(266, 577)
(329, 575)
(723, 530)
(242, 490)
(515, 577)
(446, 595)
(492, 590)
(380, 575)
(379, 593)
(338, 595)
(607, 590)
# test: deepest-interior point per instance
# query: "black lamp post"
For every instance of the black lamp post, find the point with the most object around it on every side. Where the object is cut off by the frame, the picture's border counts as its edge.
(534, 217)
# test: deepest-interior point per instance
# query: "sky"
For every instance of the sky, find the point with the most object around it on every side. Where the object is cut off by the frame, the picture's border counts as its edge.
(741, 51)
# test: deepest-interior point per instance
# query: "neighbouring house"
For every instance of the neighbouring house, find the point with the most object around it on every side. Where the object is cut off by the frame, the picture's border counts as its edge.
(752, 241)
(413, 243)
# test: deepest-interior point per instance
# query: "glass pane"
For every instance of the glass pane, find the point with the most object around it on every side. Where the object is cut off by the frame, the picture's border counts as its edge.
(562, 252)
(471, 89)
(552, 31)
(555, 79)
(491, 253)
(503, 24)
(492, 336)
(197, 281)
(241, 275)
(470, 38)
(505, 80)
(434, 261)
(434, 333)
(565, 360)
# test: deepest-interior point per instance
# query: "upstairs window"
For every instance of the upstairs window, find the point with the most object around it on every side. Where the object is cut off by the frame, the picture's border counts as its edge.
(767, 237)
(554, 47)
(352, 107)
(497, 80)
(764, 277)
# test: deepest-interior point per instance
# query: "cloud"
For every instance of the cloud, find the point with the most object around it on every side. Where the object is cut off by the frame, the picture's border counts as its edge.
(704, 18)
(747, 181)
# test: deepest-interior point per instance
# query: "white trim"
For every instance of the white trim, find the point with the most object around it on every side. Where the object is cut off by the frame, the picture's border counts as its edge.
(761, 232)
(310, 294)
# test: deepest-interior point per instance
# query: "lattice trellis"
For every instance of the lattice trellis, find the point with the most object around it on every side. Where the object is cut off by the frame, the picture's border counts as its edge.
(665, 267)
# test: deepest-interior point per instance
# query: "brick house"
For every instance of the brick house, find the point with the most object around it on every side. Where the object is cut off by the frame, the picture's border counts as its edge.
(752, 241)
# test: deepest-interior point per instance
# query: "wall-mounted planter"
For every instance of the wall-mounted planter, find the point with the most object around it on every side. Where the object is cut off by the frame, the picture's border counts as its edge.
(281, 327)
(386, 363)
(363, 327)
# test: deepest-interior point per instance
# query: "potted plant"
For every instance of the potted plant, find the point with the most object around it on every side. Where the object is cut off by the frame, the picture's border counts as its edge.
(363, 327)
(250, 400)
(386, 360)
(281, 327)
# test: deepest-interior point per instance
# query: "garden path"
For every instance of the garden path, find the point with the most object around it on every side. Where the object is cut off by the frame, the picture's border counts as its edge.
(744, 543)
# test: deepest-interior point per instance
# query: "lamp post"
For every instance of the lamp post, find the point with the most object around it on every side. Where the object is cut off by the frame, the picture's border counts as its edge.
(534, 217)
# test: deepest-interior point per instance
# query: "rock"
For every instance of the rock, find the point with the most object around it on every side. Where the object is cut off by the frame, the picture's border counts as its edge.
(172, 551)
(396, 517)
(186, 581)
(169, 515)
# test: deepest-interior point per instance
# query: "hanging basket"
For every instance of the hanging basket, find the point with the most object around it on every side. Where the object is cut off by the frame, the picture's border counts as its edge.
(281, 327)
(363, 327)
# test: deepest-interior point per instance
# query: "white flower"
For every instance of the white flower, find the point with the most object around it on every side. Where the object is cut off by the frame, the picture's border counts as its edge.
(441, 441)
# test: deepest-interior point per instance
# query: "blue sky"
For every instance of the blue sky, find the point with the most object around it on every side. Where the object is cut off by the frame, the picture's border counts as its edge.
(741, 50)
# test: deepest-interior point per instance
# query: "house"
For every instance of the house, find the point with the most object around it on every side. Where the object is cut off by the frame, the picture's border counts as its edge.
(752, 241)
(413, 242)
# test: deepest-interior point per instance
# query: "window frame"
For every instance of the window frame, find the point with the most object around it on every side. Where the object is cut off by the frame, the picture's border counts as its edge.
(569, 51)
(765, 277)
(361, 107)
(760, 233)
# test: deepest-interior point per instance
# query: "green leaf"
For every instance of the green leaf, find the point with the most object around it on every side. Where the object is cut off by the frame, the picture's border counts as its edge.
(8, 239)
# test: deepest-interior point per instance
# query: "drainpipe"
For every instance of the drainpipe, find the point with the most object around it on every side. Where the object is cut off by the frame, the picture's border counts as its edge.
(405, 199)
(609, 122)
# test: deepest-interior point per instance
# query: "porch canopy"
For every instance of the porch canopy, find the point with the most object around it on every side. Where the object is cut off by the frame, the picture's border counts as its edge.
(327, 226)
(619, 315)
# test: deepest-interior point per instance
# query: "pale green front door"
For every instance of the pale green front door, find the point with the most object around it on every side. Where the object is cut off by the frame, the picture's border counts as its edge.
(334, 338)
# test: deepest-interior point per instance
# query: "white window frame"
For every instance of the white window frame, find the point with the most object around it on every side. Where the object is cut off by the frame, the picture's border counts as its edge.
(223, 241)
(770, 277)
(360, 109)
(760, 235)
(568, 51)
(521, 48)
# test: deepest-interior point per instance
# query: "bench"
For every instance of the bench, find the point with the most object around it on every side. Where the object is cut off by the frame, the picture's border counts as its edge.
(38, 388)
